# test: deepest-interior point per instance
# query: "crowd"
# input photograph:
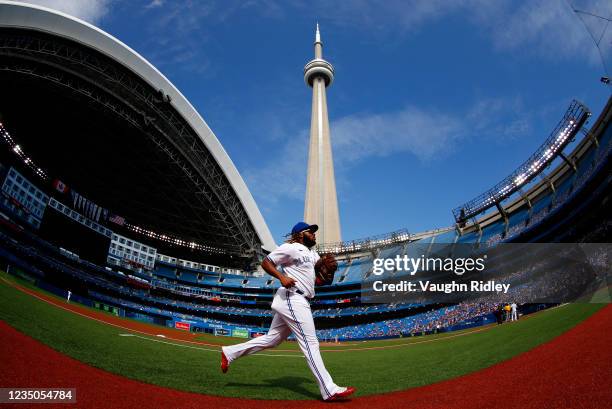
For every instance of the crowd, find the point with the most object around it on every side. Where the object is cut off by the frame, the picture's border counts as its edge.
(539, 281)
(427, 322)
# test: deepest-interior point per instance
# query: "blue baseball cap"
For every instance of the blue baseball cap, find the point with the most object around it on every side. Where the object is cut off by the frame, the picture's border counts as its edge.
(301, 226)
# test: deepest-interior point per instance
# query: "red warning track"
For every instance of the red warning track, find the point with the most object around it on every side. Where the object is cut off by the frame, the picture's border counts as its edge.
(571, 371)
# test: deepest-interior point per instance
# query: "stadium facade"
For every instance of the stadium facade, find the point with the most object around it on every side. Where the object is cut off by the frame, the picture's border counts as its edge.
(115, 188)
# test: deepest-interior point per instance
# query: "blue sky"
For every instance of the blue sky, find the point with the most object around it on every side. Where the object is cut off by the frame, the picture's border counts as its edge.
(434, 101)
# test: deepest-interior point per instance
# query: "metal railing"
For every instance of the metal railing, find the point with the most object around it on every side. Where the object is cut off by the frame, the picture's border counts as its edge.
(365, 244)
(571, 123)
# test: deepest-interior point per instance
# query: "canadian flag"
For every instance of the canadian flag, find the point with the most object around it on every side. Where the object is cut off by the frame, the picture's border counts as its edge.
(60, 186)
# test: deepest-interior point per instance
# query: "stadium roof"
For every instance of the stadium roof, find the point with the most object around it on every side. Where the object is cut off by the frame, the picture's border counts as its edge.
(97, 115)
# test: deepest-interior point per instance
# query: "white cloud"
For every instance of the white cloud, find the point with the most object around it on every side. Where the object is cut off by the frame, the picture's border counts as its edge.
(184, 18)
(176, 32)
(154, 4)
(547, 27)
(280, 175)
(485, 115)
(180, 31)
(422, 134)
(89, 10)
(381, 17)
(412, 130)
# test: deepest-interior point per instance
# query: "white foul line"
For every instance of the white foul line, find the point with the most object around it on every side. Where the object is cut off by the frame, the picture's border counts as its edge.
(204, 349)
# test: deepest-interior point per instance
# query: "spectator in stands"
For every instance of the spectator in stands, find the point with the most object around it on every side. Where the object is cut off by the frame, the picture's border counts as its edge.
(499, 314)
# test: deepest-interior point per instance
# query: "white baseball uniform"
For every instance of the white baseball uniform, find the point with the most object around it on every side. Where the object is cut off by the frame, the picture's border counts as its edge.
(292, 314)
(513, 308)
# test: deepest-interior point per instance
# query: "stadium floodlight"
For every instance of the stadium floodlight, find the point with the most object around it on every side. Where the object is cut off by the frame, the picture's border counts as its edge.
(19, 152)
(571, 123)
(173, 240)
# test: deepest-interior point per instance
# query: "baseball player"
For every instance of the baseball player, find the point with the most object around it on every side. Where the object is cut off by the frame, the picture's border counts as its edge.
(296, 259)
(69, 294)
(513, 308)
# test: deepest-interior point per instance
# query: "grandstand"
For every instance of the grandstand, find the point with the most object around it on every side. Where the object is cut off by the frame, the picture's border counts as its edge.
(132, 203)
(220, 300)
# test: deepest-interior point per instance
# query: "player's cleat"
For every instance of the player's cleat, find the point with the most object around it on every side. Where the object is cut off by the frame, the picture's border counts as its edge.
(224, 362)
(348, 391)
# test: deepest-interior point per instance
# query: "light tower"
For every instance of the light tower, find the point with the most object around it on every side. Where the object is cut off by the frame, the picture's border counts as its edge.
(321, 205)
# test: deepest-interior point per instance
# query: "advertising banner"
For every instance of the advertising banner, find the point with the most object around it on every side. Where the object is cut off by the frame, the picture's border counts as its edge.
(182, 325)
(240, 333)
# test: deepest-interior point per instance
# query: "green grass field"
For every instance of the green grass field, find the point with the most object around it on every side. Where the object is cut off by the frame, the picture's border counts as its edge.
(282, 374)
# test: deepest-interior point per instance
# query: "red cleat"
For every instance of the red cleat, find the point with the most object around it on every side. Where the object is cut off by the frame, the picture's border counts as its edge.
(224, 362)
(348, 391)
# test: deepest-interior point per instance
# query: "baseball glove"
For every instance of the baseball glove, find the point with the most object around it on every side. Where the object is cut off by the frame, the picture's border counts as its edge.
(325, 269)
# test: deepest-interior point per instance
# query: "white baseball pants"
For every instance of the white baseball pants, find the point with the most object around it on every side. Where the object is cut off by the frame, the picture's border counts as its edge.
(291, 314)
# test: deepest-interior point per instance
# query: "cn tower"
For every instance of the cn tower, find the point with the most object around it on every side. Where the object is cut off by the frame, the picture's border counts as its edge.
(321, 205)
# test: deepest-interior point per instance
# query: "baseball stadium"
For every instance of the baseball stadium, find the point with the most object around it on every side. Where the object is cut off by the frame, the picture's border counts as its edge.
(131, 254)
